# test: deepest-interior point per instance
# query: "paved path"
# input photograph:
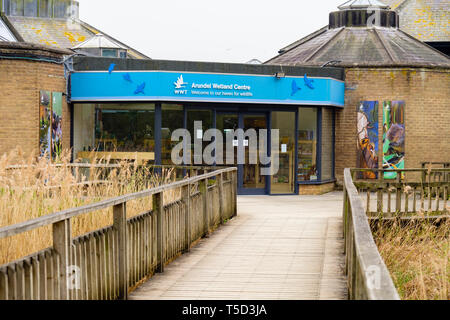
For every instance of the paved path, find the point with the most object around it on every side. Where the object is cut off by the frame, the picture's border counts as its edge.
(282, 247)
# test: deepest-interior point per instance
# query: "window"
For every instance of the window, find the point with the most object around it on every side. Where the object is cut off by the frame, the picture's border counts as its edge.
(30, 8)
(16, 7)
(206, 117)
(327, 144)
(60, 8)
(307, 144)
(112, 53)
(283, 180)
(6, 6)
(123, 54)
(45, 8)
(172, 119)
(125, 128)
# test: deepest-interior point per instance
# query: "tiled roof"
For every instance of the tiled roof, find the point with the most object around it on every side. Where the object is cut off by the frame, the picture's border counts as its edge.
(362, 47)
(60, 33)
(426, 20)
(51, 32)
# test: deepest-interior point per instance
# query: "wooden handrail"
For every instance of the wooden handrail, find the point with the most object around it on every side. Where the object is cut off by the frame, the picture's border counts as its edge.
(114, 166)
(107, 263)
(368, 276)
(70, 213)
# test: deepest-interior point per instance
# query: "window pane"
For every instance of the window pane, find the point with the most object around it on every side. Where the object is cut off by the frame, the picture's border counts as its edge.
(123, 54)
(60, 8)
(125, 128)
(45, 8)
(327, 144)
(307, 144)
(172, 119)
(31, 8)
(206, 117)
(109, 53)
(6, 7)
(17, 7)
(83, 128)
(283, 181)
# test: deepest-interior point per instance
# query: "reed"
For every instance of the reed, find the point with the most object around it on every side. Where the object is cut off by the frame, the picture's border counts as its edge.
(36, 187)
(417, 256)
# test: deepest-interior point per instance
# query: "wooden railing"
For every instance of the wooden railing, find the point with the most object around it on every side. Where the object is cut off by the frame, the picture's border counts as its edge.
(414, 191)
(367, 274)
(107, 263)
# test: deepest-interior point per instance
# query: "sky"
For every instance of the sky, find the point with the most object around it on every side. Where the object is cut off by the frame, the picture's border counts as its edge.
(208, 30)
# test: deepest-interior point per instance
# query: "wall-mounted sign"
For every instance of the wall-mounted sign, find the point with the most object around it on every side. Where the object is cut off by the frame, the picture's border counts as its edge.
(185, 86)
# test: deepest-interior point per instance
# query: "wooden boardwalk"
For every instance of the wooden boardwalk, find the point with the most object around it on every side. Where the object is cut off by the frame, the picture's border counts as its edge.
(286, 247)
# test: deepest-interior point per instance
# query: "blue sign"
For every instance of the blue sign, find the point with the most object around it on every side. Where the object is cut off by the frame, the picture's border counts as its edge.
(91, 86)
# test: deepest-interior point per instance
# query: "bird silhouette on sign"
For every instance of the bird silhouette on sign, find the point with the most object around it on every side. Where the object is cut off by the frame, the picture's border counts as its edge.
(140, 88)
(309, 82)
(295, 88)
(111, 68)
(127, 77)
(179, 84)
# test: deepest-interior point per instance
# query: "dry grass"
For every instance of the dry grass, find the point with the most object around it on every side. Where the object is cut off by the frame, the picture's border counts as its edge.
(38, 189)
(417, 256)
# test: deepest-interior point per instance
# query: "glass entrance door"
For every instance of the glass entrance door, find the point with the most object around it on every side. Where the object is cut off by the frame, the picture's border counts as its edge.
(250, 180)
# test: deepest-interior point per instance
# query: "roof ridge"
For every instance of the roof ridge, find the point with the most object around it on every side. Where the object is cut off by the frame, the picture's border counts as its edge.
(324, 44)
(385, 45)
(297, 43)
(303, 40)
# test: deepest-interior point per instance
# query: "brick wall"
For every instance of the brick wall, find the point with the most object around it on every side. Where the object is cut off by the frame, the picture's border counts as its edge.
(316, 190)
(427, 97)
(20, 84)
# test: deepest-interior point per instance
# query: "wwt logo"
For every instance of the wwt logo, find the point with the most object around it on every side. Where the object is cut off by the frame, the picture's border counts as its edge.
(180, 84)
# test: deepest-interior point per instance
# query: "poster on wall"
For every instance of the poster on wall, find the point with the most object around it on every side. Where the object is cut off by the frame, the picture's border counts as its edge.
(45, 118)
(56, 125)
(393, 137)
(367, 128)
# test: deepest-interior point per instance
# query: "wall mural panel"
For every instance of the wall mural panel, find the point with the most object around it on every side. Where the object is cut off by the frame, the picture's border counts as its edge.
(56, 125)
(393, 137)
(367, 128)
(45, 116)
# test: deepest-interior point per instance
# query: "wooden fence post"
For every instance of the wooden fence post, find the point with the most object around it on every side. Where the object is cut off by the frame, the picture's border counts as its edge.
(219, 179)
(203, 186)
(234, 188)
(120, 227)
(398, 200)
(62, 244)
(158, 209)
(186, 196)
